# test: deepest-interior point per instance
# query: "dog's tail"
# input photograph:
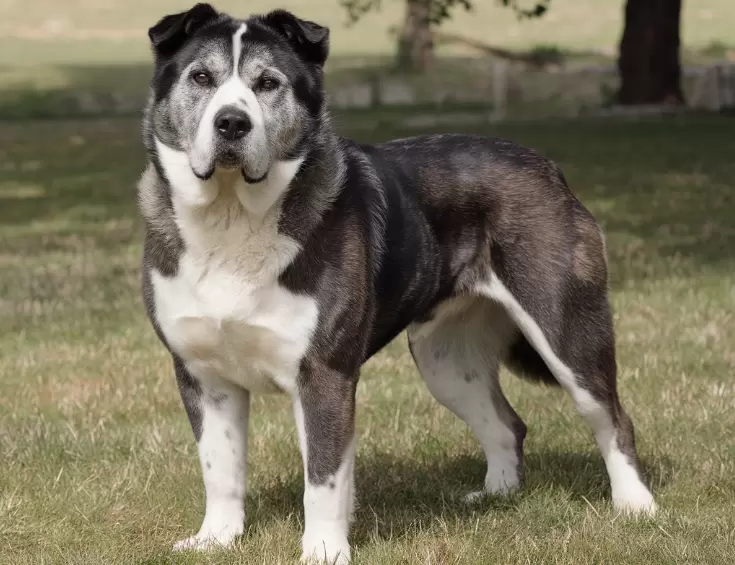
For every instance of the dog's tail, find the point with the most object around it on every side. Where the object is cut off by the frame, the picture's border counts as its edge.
(525, 362)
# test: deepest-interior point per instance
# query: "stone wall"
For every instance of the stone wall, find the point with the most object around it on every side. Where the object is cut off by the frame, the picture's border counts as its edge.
(520, 91)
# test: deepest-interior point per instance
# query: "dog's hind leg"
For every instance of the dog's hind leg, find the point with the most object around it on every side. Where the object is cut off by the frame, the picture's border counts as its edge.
(577, 345)
(458, 353)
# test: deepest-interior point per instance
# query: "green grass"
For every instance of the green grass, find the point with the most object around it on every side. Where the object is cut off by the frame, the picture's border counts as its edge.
(99, 463)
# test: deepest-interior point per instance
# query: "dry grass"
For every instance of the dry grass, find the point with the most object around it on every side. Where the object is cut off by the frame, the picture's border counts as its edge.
(99, 464)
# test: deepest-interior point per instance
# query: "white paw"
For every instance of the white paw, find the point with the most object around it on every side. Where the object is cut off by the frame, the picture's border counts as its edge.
(195, 543)
(325, 549)
(636, 500)
(502, 473)
(499, 481)
(207, 541)
(475, 497)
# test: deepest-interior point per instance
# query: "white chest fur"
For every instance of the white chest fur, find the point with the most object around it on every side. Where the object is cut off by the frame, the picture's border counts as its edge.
(224, 313)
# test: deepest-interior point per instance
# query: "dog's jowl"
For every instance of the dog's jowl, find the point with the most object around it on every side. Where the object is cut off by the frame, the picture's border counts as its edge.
(280, 256)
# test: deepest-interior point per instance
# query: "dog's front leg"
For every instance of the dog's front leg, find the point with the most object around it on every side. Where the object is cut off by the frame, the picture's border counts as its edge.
(324, 407)
(218, 412)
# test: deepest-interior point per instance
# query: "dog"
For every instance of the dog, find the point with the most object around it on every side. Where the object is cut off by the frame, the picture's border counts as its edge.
(279, 257)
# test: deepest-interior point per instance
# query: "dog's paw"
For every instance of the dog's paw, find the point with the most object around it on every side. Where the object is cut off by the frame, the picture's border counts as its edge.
(314, 559)
(497, 483)
(321, 550)
(635, 501)
(194, 543)
(502, 483)
(475, 497)
(207, 541)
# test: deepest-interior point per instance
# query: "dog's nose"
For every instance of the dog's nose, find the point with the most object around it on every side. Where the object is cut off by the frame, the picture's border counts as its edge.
(232, 124)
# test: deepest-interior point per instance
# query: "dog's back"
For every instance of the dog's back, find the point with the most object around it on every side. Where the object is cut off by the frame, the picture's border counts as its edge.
(462, 206)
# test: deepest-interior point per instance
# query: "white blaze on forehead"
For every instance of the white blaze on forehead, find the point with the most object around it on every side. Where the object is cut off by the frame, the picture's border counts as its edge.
(248, 96)
(237, 47)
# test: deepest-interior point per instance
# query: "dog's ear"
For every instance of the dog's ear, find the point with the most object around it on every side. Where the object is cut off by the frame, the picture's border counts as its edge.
(310, 40)
(169, 34)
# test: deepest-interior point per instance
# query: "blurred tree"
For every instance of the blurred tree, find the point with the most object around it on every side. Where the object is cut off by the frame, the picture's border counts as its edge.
(649, 65)
(650, 71)
(415, 41)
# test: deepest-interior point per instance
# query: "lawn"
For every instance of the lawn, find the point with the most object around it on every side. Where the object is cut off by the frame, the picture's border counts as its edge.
(99, 464)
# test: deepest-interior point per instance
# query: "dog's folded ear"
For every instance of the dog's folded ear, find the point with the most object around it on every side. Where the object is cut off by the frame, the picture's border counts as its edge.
(310, 40)
(169, 34)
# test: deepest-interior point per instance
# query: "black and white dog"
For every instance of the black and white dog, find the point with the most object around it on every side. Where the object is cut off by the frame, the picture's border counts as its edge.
(280, 256)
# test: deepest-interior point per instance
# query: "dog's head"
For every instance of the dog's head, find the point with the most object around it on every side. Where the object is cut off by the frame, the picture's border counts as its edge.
(236, 94)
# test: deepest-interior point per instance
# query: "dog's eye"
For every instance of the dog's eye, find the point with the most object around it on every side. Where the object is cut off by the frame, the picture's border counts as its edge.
(267, 84)
(202, 78)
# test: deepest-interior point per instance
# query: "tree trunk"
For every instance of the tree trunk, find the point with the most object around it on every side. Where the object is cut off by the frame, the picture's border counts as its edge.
(650, 71)
(415, 44)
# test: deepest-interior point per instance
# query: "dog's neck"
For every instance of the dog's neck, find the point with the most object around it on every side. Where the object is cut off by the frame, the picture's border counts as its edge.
(301, 189)
(317, 184)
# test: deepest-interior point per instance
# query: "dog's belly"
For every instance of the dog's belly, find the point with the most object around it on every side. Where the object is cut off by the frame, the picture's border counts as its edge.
(222, 326)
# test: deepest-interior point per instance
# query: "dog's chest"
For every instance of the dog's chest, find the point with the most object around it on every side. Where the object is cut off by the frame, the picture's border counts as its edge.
(224, 313)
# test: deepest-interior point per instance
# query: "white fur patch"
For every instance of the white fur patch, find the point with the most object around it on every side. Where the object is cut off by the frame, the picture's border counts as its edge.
(224, 312)
(237, 48)
(190, 191)
(628, 491)
(259, 197)
(327, 507)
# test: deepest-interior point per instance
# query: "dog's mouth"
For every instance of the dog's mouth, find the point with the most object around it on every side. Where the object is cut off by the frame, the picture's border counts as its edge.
(254, 171)
(229, 160)
(253, 180)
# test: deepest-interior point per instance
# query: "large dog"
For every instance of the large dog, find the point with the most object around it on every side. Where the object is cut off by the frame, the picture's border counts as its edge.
(280, 256)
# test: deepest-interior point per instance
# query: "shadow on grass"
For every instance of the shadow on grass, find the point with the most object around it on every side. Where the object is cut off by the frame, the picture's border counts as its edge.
(583, 474)
(400, 495)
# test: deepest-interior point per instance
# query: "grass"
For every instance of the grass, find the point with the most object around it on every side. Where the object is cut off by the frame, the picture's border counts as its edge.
(99, 463)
